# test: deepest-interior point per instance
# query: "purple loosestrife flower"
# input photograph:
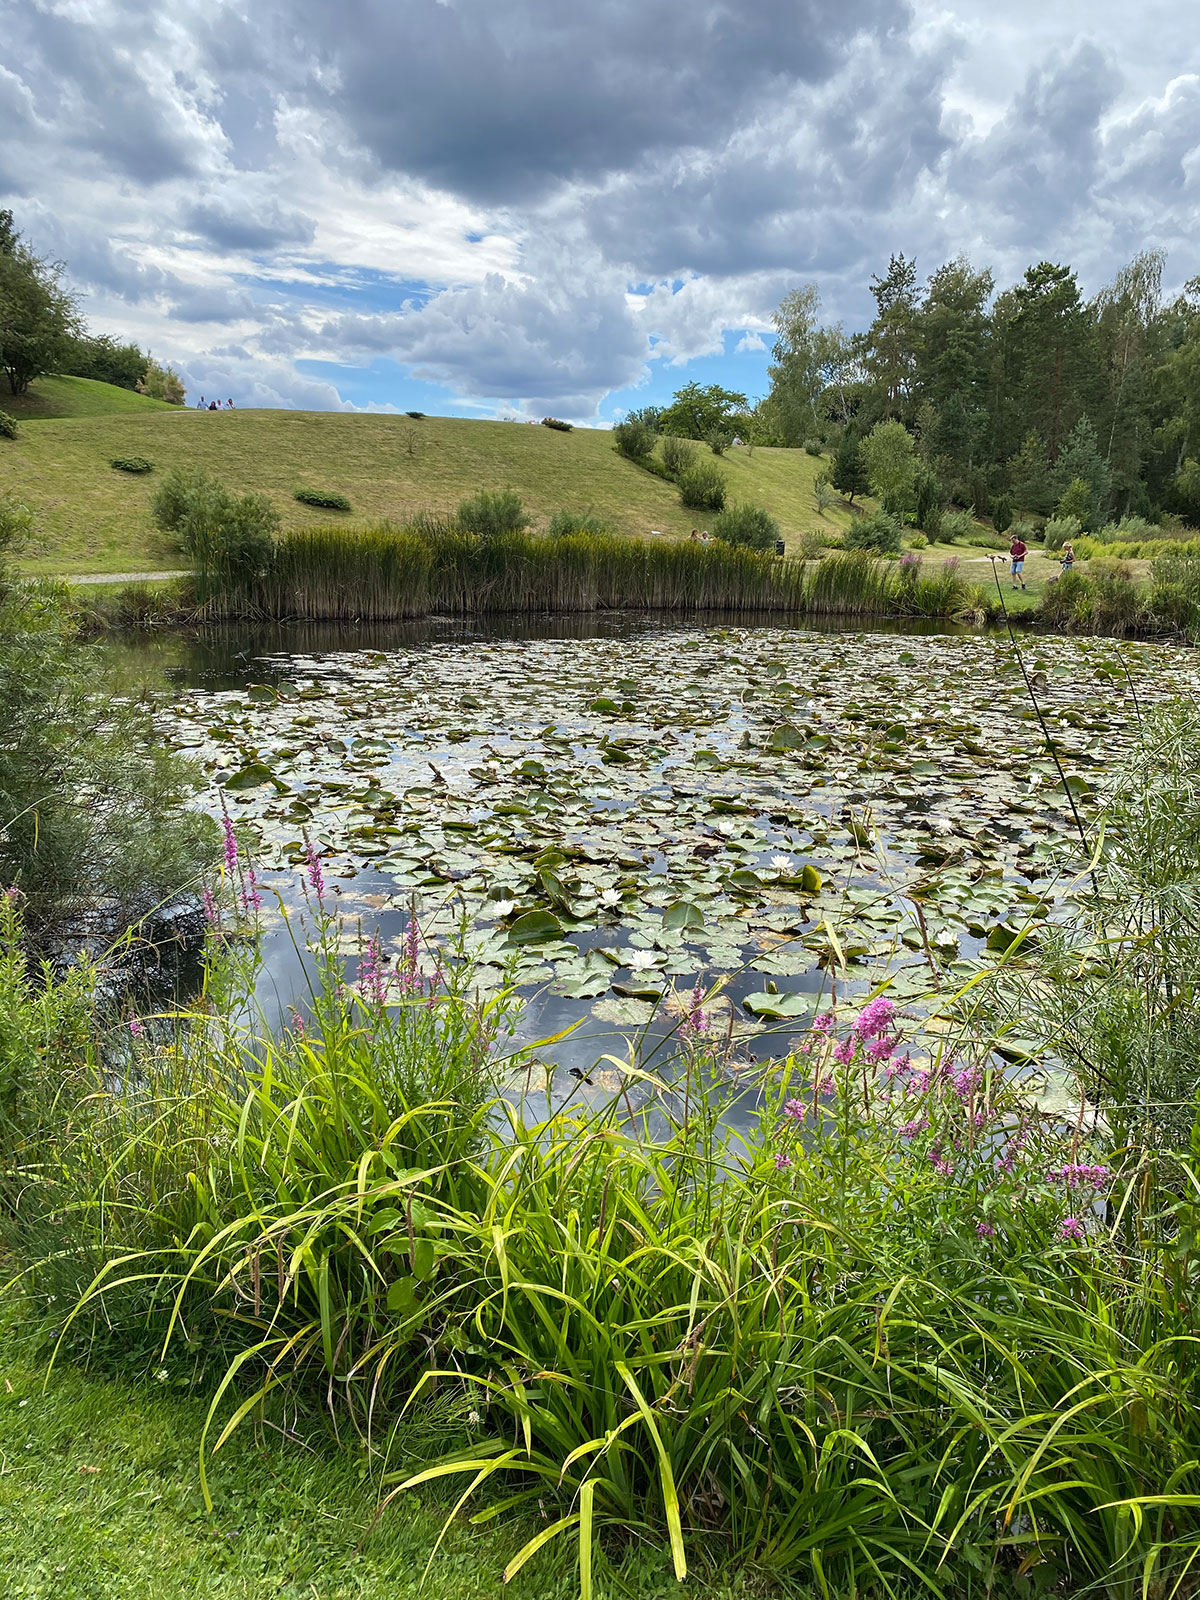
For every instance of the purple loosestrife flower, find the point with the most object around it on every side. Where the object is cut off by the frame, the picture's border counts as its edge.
(825, 1086)
(410, 975)
(796, 1109)
(11, 892)
(297, 1025)
(881, 1048)
(1070, 1228)
(782, 1161)
(136, 1027)
(909, 1130)
(251, 899)
(1074, 1172)
(210, 907)
(985, 1230)
(231, 852)
(823, 1023)
(875, 1018)
(694, 1020)
(844, 1052)
(372, 978)
(316, 877)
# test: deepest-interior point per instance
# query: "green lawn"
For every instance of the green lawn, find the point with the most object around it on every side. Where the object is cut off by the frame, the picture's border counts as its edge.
(99, 1500)
(91, 518)
(76, 397)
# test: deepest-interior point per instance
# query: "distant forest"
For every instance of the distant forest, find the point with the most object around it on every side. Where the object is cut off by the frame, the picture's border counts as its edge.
(1018, 397)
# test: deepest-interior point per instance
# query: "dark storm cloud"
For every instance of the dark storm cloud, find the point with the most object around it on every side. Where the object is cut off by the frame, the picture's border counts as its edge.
(248, 224)
(501, 103)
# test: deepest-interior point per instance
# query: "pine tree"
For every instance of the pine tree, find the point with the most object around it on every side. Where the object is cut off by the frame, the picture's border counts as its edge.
(849, 476)
(1029, 477)
(1081, 458)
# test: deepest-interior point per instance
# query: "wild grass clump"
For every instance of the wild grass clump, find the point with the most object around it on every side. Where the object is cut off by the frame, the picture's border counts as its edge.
(564, 523)
(9, 427)
(851, 583)
(372, 575)
(897, 1316)
(492, 513)
(324, 499)
(134, 464)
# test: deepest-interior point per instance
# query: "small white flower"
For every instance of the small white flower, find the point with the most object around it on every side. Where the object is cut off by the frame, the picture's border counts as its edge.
(473, 1419)
(641, 960)
(161, 1374)
(1034, 779)
(502, 907)
(610, 897)
(781, 863)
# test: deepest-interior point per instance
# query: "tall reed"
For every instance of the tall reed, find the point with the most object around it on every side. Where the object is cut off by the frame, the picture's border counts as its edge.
(382, 573)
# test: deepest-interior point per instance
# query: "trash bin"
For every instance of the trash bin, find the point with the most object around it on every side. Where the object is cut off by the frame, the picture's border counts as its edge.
(779, 547)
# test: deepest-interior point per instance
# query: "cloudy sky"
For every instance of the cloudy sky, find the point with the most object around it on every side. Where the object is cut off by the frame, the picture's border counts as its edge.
(500, 207)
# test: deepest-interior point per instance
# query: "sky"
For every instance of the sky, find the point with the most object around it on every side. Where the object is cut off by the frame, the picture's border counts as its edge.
(513, 208)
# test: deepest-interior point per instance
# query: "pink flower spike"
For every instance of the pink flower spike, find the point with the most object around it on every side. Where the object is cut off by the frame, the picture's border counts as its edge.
(823, 1023)
(796, 1109)
(1071, 1228)
(985, 1230)
(136, 1027)
(210, 907)
(782, 1161)
(844, 1052)
(316, 877)
(875, 1018)
(231, 849)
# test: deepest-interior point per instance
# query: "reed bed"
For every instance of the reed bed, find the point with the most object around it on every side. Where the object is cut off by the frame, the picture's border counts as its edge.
(387, 573)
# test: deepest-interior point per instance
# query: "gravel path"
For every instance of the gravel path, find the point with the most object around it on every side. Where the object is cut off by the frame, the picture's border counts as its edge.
(123, 577)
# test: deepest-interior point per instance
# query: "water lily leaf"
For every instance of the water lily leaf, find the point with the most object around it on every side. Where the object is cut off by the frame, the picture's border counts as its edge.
(786, 737)
(252, 775)
(781, 1006)
(810, 880)
(535, 927)
(683, 914)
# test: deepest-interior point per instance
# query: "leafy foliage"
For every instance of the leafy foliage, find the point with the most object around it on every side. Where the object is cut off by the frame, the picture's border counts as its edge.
(634, 440)
(677, 454)
(702, 487)
(101, 358)
(747, 525)
(135, 464)
(9, 428)
(39, 319)
(327, 499)
(492, 513)
(849, 476)
(230, 538)
(565, 523)
(880, 533)
(558, 424)
(699, 410)
(813, 447)
(161, 383)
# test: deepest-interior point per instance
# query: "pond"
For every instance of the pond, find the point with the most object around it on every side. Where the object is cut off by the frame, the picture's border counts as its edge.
(616, 809)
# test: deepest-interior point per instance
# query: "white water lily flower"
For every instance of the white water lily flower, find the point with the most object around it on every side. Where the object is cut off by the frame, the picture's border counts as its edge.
(503, 907)
(781, 863)
(610, 897)
(641, 960)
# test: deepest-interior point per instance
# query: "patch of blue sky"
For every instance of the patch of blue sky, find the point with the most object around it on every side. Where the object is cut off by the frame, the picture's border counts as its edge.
(359, 289)
(744, 371)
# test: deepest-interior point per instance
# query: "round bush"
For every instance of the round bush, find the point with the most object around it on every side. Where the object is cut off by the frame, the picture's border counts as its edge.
(880, 533)
(812, 447)
(326, 499)
(918, 542)
(492, 512)
(8, 426)
(954, 525)
(417, 416)
(132, 464)
(752, 527)
(677, 454)
(634, 440)
(556, 422)
(1060, 529)
(564, 523)
(702, 487)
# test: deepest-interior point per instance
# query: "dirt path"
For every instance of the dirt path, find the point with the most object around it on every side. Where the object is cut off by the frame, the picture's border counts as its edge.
(122, 577)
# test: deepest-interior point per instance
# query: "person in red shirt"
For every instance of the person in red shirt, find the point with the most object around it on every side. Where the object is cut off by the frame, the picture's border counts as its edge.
(1017, 551)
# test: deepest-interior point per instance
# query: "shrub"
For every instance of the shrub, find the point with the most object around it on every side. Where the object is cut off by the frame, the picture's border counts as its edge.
(811, 545)
(1002, 513)
(750, 526)
(880, 533)
(718, 440)
(492, 512)
(556, 422)
(8, 426)
(813, 447)
(702, 487)
(1060, 529)
(634, 440)
(1078, 503)
(327, 499)
(1025, 528)
(417, 416)
(823, 495)
(565, 523)
(230, 538)
(918, 542)
(135, 464)
(953, 525)
(677, 454)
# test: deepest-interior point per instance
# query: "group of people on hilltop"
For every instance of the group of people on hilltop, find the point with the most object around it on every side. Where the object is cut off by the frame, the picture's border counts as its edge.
(213, 405)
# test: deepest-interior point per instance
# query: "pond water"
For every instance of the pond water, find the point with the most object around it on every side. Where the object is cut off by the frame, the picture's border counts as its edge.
(616, 808)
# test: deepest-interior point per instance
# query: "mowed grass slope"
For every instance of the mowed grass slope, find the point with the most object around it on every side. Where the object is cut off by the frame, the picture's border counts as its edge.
(76, 397)
(91, 518)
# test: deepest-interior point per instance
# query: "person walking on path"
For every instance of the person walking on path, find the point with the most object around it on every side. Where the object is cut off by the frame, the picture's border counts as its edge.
(1067, 560)
(201, 405)
(1016, 553)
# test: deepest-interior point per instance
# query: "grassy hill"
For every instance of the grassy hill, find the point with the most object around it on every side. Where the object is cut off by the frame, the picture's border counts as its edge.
(76, 397)
(90, 518)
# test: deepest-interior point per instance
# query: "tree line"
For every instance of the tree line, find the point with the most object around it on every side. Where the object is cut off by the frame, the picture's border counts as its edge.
(42, 331)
